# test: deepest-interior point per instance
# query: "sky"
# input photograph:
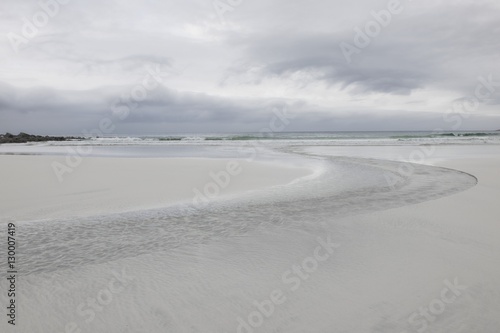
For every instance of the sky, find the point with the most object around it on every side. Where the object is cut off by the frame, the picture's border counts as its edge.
(162, 66)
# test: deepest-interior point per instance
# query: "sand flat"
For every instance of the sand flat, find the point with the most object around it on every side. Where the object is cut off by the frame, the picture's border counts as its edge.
(31, 190)
(407, 254)
(390, 264)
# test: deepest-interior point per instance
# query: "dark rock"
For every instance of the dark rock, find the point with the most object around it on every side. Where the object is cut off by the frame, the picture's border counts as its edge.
(25, 137)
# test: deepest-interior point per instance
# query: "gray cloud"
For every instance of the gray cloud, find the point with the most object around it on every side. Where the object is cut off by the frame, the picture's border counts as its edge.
(227, 76)
(414, 51)
(167, 111)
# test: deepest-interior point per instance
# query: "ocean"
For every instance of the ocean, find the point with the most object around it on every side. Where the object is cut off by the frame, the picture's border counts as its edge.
(320, 138)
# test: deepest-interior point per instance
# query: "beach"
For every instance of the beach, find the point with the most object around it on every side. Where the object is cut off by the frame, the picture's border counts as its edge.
(308, 238)
(234, 166)
(112, 185)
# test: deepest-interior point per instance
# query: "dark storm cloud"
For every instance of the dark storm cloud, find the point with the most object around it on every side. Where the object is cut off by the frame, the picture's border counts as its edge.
(47, 111)
(75, 112)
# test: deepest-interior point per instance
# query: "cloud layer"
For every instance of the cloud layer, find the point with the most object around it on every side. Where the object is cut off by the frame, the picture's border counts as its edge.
(225, 65)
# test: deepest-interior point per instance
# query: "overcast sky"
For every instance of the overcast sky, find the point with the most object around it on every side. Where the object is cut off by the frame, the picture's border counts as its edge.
(204, 66)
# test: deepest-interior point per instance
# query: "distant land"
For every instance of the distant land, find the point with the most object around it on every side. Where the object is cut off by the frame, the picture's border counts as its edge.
(24, 137)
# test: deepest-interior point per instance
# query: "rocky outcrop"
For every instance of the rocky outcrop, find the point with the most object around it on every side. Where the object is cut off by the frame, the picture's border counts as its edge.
(24, 137)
